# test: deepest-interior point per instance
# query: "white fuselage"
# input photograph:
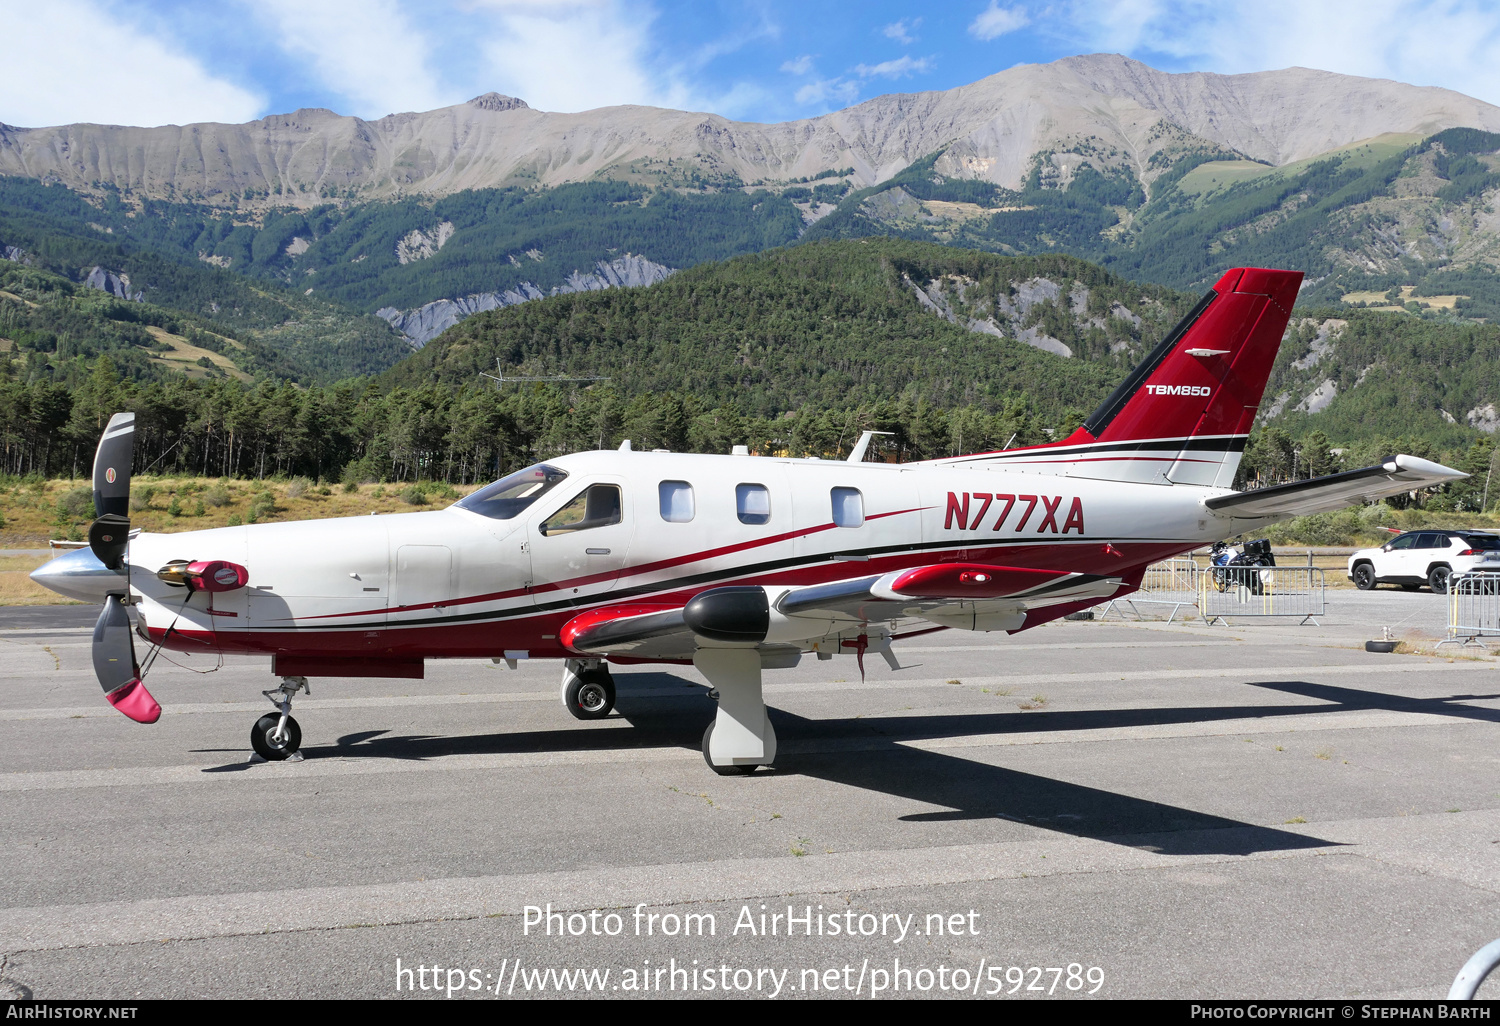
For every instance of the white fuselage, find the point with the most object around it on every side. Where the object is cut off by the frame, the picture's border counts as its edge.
(455, 583)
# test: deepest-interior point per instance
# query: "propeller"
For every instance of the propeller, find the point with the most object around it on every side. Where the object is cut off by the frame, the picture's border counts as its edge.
(109, 535)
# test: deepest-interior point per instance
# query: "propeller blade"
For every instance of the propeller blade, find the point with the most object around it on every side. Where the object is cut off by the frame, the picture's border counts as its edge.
(115, 665)
(109, 534)
(108, 537)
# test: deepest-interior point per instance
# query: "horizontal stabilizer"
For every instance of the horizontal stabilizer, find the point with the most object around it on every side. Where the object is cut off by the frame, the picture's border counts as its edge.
(1395, 475)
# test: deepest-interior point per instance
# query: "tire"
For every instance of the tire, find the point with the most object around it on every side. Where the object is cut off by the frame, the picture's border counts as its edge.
(1437, 579)
(723, 771)
(591, 695)
(1221, 579)
(260, 738)
(1364, 576)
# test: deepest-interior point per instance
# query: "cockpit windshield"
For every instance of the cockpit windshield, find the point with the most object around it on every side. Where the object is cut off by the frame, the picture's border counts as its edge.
(513, 493)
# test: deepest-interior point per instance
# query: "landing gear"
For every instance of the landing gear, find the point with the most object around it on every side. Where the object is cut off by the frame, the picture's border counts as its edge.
(276, 736)
(588, 691)
(741, 737)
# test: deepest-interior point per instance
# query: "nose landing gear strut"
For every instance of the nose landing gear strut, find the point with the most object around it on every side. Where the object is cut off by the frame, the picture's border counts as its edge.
(276, 736)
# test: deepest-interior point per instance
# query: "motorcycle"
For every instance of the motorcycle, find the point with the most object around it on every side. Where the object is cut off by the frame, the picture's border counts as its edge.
(1237, 567)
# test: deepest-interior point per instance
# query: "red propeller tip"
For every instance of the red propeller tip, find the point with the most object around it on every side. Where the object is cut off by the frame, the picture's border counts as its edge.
(132, 699)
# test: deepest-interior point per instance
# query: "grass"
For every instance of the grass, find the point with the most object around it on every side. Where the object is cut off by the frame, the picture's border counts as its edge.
(33, 512)
(16, 589)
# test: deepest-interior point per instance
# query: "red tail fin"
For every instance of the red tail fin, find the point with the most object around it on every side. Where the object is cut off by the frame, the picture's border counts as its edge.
(1183, 415)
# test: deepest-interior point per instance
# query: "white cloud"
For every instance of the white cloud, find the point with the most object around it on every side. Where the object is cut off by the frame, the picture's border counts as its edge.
(901, 31)
(572, 55)
(995, 21)
(1450, 43)
(831, 90)
(75, 60)
(367, 51)
(900, 68)
(801, 66)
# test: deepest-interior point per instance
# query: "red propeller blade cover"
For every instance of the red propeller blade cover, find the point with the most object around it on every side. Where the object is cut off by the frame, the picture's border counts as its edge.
(132, 699)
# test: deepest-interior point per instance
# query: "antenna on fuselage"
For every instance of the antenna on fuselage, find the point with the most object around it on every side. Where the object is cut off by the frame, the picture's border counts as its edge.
(500, 378)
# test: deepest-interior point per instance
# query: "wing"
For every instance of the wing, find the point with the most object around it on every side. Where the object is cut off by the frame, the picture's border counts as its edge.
(1395, 475)
(970, 596)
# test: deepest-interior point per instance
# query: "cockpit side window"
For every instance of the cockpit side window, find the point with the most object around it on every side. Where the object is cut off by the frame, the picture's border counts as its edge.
(596, 506)
(514, 493)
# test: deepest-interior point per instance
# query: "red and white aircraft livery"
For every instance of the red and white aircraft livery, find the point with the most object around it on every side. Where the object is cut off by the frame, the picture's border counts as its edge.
(733, 563)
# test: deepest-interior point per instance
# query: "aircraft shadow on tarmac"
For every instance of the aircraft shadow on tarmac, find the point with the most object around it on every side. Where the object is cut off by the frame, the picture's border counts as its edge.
(865, 753)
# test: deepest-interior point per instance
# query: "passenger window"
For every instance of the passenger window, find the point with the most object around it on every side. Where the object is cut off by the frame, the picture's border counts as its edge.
(753, 503)
(1406, 541)
(595, 506)
(676, 501)
(848, 507)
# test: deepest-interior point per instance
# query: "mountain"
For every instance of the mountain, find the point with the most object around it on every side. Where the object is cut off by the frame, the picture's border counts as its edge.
(832, 324)
(1384, 193)
(990, 130)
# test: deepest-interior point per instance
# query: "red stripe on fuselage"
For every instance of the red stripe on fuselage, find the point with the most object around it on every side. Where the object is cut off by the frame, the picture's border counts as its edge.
(537, 632)
(630, 571)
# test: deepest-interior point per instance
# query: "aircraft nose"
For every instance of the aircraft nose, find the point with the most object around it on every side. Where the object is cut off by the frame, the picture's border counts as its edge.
(80, 575)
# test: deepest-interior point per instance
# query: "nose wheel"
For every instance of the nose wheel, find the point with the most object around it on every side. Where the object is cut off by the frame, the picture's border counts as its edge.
(276, 737)
(274, 741)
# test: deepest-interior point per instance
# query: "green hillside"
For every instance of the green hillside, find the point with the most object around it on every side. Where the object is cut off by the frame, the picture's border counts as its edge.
(826, 323)
(53, 230)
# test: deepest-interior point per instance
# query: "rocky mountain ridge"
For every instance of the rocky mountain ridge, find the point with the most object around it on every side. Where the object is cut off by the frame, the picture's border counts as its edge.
(427, 322)
(1117, 109)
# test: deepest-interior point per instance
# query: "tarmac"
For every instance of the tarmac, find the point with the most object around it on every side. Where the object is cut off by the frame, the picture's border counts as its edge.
(1257, 810)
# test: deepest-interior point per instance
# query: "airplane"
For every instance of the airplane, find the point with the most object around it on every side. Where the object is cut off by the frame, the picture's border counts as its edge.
(734, 564)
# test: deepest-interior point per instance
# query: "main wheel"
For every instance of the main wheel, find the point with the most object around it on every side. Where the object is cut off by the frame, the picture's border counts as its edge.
(723, 771)
(591, 695)
(270, 749)
(1437, 579)
(1221, 580)
(1364, 576)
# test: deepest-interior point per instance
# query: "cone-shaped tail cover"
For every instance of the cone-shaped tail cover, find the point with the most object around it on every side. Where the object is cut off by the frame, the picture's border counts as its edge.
(112, 466)
(115, 666)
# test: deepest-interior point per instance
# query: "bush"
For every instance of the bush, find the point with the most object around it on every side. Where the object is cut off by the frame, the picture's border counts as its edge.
(218, 495)
(351, 487)
(298, 487)
(198, 509)
(261, 506)
(174, 508)
(75, 504)
(414, 496)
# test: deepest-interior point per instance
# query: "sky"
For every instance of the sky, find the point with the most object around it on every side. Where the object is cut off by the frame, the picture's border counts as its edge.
(153, 62)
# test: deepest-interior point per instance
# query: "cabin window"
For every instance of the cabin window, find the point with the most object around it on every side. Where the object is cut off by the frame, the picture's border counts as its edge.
(848, 507)
(753, 503)
(676, 501)
(512, 494)
(596, 506)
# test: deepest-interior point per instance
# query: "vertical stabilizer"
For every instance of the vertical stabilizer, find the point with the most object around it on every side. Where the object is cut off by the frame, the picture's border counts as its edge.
(1182, 416)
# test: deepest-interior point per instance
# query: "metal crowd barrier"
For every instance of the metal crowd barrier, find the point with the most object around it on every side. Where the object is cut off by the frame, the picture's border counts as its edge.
(1245, 591)
(1172, 582)
(1473, 608)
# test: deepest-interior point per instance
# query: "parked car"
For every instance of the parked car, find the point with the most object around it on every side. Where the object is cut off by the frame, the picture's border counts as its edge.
(1425, 557)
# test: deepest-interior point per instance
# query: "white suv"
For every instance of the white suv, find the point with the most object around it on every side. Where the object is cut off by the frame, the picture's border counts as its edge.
(1425, 557)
